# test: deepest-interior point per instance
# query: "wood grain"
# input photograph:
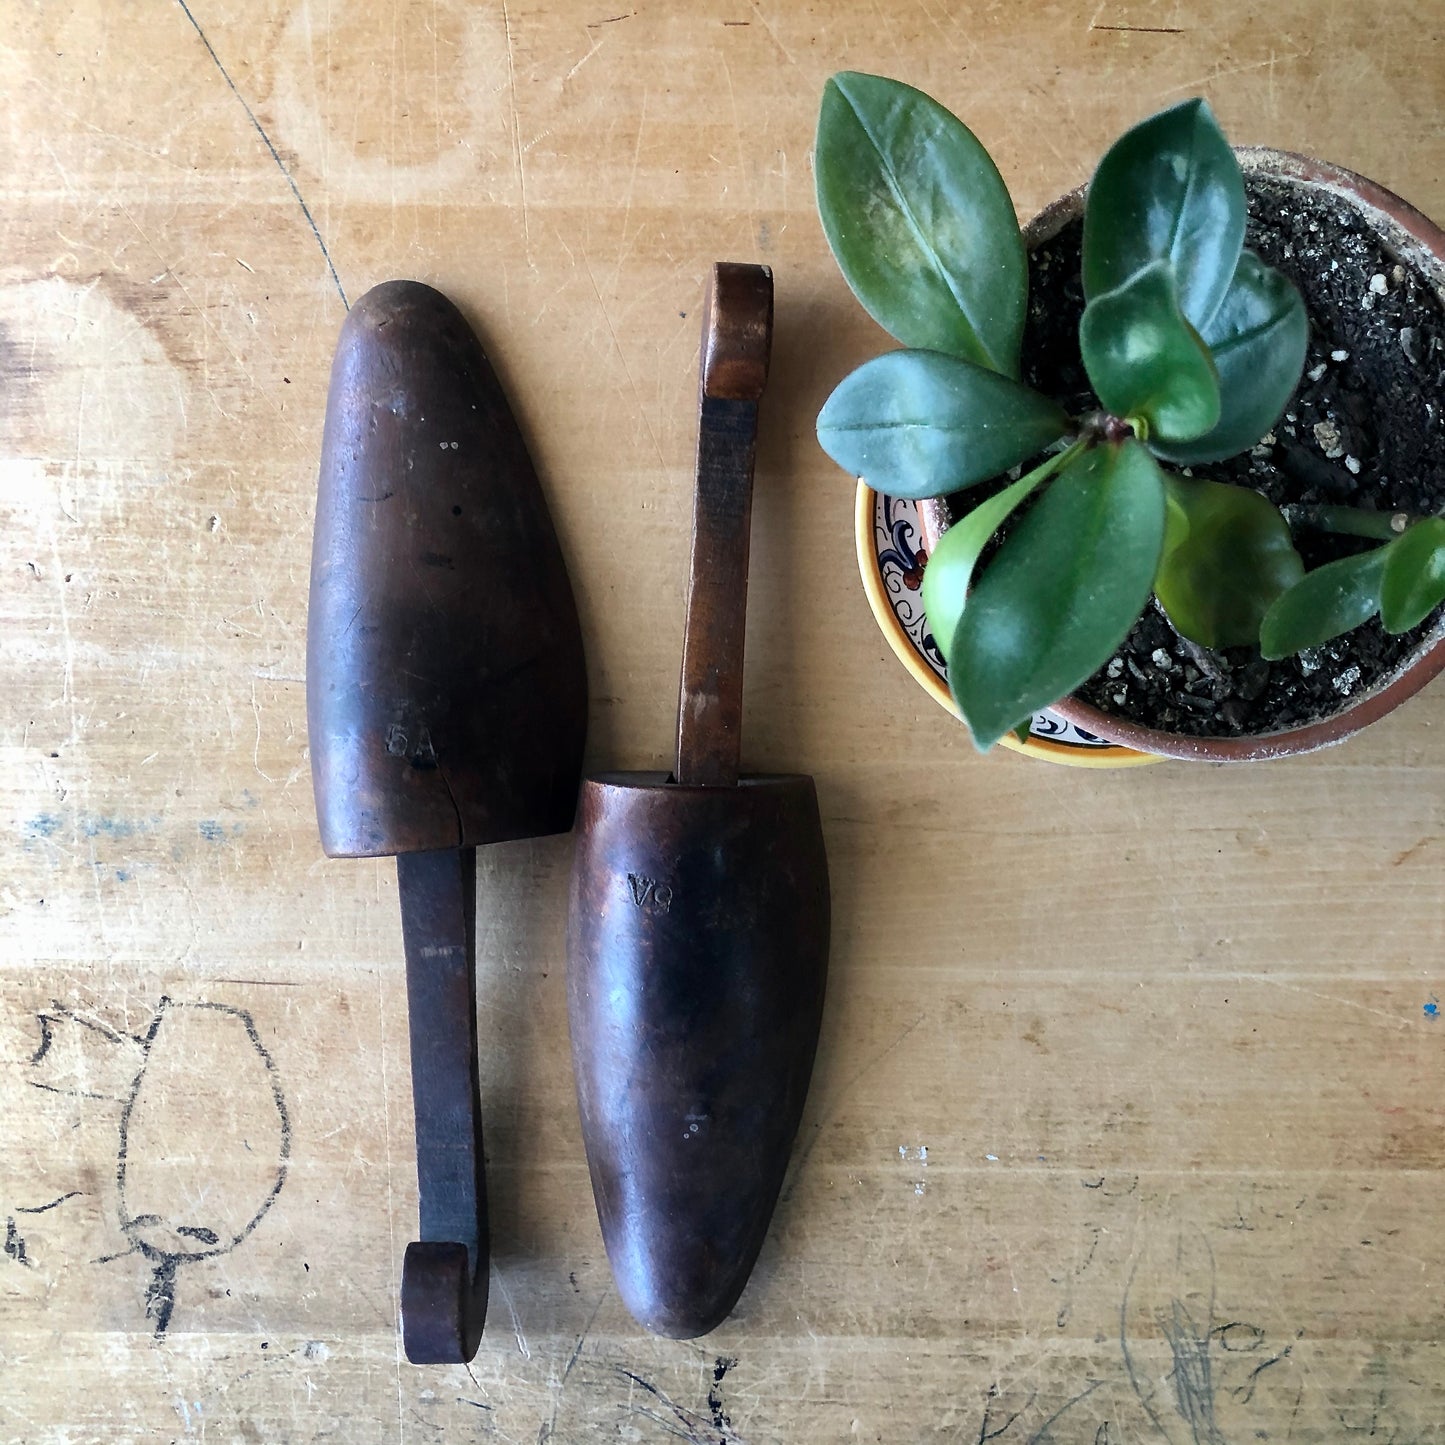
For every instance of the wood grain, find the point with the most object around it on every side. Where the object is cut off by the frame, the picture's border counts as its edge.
(1170, 1038)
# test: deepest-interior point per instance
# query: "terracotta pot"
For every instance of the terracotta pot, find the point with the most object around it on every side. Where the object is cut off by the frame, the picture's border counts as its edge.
(1414, 240)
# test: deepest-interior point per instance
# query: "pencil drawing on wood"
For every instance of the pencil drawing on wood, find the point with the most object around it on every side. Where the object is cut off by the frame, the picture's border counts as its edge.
(203, 1136)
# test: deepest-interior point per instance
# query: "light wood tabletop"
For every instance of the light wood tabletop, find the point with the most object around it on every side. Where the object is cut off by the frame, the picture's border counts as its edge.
(1127, 1123)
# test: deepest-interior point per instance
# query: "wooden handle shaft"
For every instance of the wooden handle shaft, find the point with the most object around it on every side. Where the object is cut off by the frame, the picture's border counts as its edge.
(736, 342)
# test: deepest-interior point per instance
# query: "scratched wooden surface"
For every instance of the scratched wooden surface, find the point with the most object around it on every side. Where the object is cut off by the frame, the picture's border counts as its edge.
(1127, 1120)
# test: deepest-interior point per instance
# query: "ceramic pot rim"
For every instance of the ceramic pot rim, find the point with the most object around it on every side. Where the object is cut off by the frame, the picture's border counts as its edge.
(1046, 749)
(1414, 239)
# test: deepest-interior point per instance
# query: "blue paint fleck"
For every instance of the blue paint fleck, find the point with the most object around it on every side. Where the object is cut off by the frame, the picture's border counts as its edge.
(90, 825)
(94, 826)
(217, 832)
(123, 875)
(1432, 1009)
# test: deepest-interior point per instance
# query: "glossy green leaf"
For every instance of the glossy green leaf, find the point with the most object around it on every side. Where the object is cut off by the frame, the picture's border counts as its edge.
(919, 423)
(1176, 520)
(1168, 190)
(1324, 603)
(1063, 591)
(1414, 582)
(920, 221)
(1145, 360)
(1236, 557)
(1257, 339)
(949, 573)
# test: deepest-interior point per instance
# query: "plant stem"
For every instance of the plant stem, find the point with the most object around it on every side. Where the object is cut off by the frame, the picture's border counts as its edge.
(1103, 426)
(1051, 466)
(1351, 521)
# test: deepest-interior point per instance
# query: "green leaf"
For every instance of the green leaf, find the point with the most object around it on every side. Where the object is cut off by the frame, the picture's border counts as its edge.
(920, 221)
(1168, 190)
(1414, 582)
(919, 423)
(1176, 520)
(1063, 591)
(1145, 360)
(1324, 603)
(1236, 558)
(1257, 339)
(949, 572)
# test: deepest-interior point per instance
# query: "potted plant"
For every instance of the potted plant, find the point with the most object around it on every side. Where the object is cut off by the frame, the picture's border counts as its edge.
(1154, 509)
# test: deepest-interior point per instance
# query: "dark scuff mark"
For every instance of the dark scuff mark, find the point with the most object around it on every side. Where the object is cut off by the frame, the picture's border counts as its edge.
(1044, 1434)
(586, 1330)
(161, 1292)
(47, 1037)
(986, 1429)
(73, 1093)
(15, 1244)
(721, 1366)
(1245, 1393)
(693, 1427)
(54, 1204)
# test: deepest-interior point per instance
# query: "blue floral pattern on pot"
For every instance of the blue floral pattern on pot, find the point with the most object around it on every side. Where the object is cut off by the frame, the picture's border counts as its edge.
(901, 559)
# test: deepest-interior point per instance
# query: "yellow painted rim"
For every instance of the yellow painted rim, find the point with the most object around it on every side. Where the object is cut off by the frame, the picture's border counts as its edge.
(1069, 755)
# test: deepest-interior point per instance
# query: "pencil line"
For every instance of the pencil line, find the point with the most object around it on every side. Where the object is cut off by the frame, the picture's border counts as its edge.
(275, 154)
